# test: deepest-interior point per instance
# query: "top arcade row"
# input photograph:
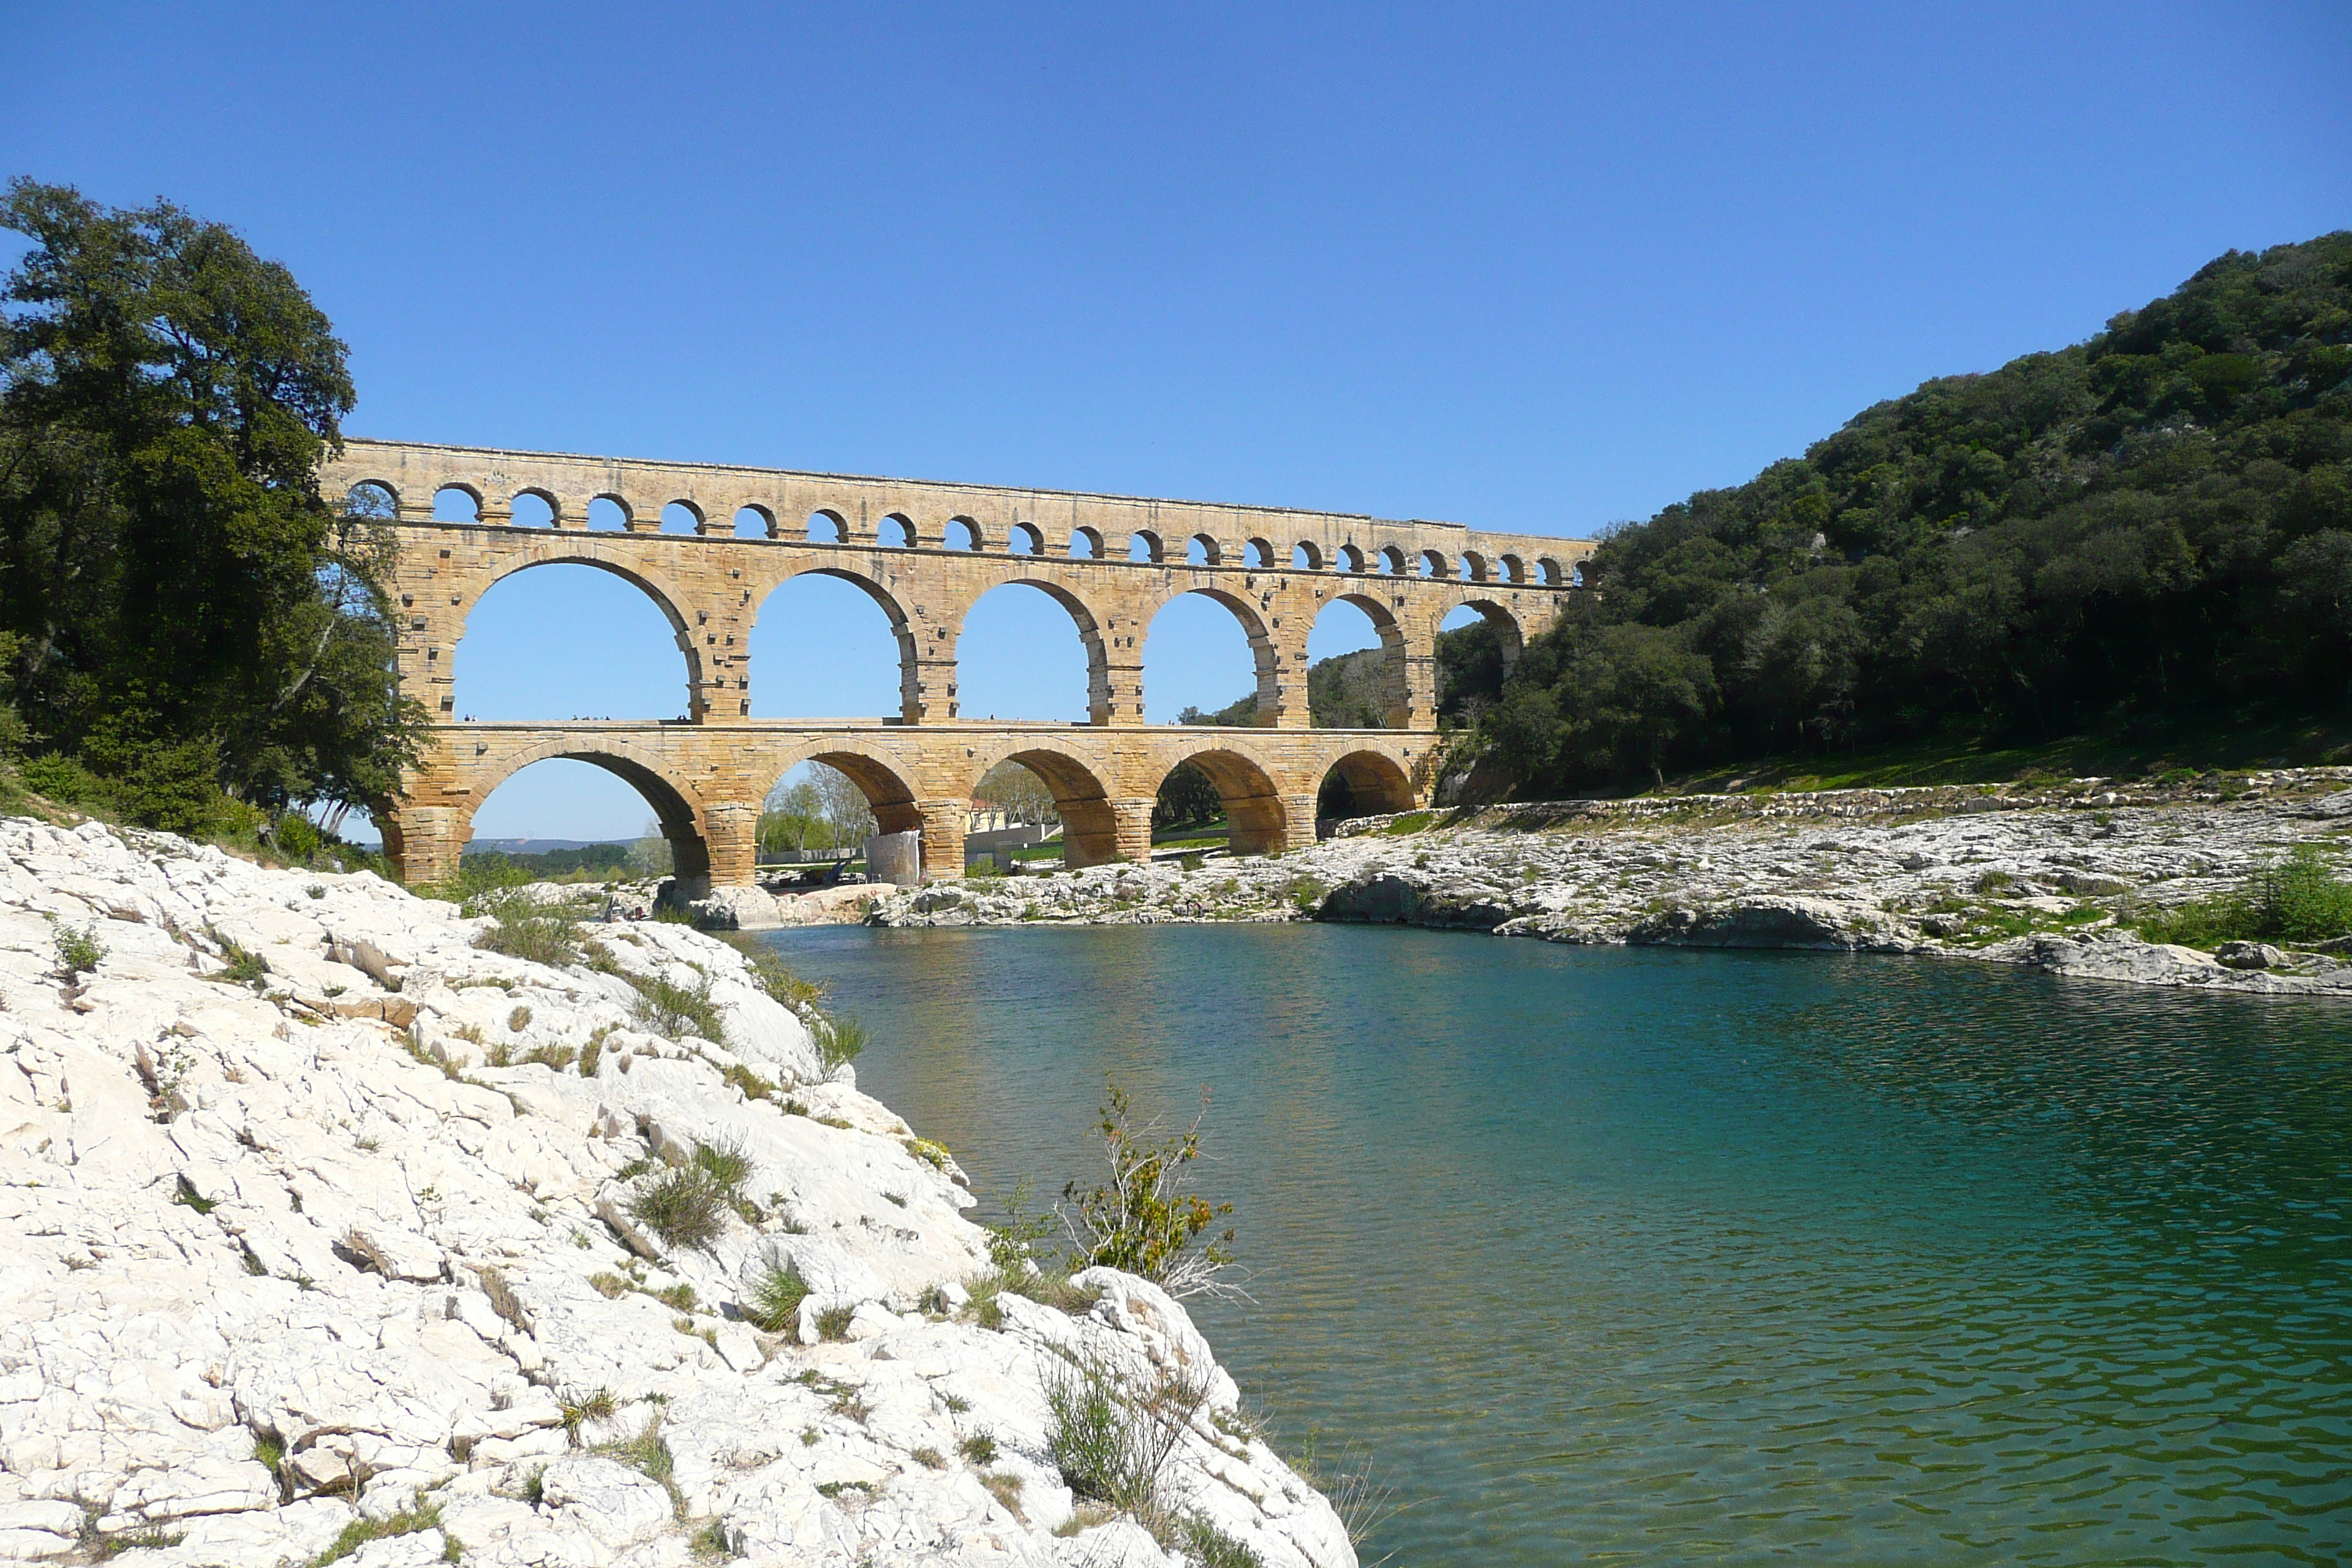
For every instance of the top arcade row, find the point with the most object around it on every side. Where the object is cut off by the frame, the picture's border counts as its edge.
(916, 514)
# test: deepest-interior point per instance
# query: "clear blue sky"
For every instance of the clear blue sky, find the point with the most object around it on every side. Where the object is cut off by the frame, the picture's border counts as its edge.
(1537, 268)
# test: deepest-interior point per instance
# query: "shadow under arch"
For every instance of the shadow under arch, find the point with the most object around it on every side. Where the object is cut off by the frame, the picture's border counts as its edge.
(910, 709)
(556, 552)
(1363, 784)
(1254, 811)
(1089, 827)
(1090, 639)
(1264, 658)
(673, 807)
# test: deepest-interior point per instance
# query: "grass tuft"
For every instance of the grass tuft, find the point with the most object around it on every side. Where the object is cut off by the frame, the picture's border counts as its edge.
(418, 1516)
(676, 1012)
(776, 1302)
(685, 1207)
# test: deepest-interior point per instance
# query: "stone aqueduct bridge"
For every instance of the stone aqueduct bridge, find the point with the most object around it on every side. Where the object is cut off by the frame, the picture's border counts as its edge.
(925, 552)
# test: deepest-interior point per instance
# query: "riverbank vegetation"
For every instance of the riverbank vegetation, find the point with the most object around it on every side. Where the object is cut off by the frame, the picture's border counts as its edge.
(191, 637)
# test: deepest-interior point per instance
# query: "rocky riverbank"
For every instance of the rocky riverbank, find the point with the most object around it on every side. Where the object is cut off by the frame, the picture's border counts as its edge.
(326, 1234)
(2053, 876)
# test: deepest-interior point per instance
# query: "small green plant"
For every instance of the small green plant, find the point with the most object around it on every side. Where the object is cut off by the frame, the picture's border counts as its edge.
(980, 1449)
(776, 1297)
(1144, 1219)
(1006, 1487)
(79, 952)
(684, 1206)
(555, 1057)
(417, 1517)
(592, 1054)
(930, 1458)
(527, 928)
(582, 1406)
(833, 1323)
(754, 1086)
(1992, 882)
(675, 1012)
(1010, 1239)
(840, 1041)
(244, 967)
(1213, 1548)
(520, 1019)
(771, 973)
(152, 1539)
(865, 1490)
(725, 1163)
(503, 1299)
(1112, 1442)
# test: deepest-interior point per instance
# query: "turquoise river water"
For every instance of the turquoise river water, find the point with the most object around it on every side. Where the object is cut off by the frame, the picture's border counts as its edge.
(1644, 1257)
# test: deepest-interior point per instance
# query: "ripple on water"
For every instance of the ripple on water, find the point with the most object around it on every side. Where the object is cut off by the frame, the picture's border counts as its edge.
(1624, 1257)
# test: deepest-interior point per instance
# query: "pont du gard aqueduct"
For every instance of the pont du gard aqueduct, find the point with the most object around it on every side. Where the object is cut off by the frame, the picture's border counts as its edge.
(925, 552)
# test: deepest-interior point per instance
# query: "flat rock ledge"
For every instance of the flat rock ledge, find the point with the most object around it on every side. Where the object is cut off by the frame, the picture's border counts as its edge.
(314, 1223)
(2046, 877)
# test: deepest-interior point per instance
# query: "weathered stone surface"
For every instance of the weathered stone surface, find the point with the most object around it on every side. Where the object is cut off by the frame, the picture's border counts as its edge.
(1947, 870)
(1784, 921)
(229, 1215)
(707, 773)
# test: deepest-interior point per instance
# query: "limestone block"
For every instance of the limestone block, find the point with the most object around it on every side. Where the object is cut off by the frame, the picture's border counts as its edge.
(615, 1504)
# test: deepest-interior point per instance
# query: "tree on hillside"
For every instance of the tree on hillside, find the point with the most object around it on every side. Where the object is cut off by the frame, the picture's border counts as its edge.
(186, 619)
(2150, 529)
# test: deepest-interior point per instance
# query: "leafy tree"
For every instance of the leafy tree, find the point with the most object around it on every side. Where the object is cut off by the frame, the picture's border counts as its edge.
(1187, 795)
(187, 615)
(2148, 528)
(794, 819)
(1019, 793)
(848, 817)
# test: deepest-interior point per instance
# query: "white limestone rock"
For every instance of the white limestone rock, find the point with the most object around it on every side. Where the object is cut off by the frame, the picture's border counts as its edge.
(260, 1240)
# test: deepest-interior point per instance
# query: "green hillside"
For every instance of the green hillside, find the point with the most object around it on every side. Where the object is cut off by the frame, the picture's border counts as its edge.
(2145, 538)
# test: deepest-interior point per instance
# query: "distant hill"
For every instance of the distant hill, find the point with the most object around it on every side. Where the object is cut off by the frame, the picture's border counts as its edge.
(2148, 532)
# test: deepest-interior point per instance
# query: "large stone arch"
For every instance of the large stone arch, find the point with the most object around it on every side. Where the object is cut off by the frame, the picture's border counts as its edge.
(675, 805)
(1507, 627)
(1254, 805)
(1396, 691)
(1082, 615)
(911, 658)
(578, 551)
(1377, 782)
(1272, 696)
(1089, 824)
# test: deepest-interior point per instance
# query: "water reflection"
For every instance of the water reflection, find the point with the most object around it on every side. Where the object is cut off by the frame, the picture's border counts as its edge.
(1670, 1257)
